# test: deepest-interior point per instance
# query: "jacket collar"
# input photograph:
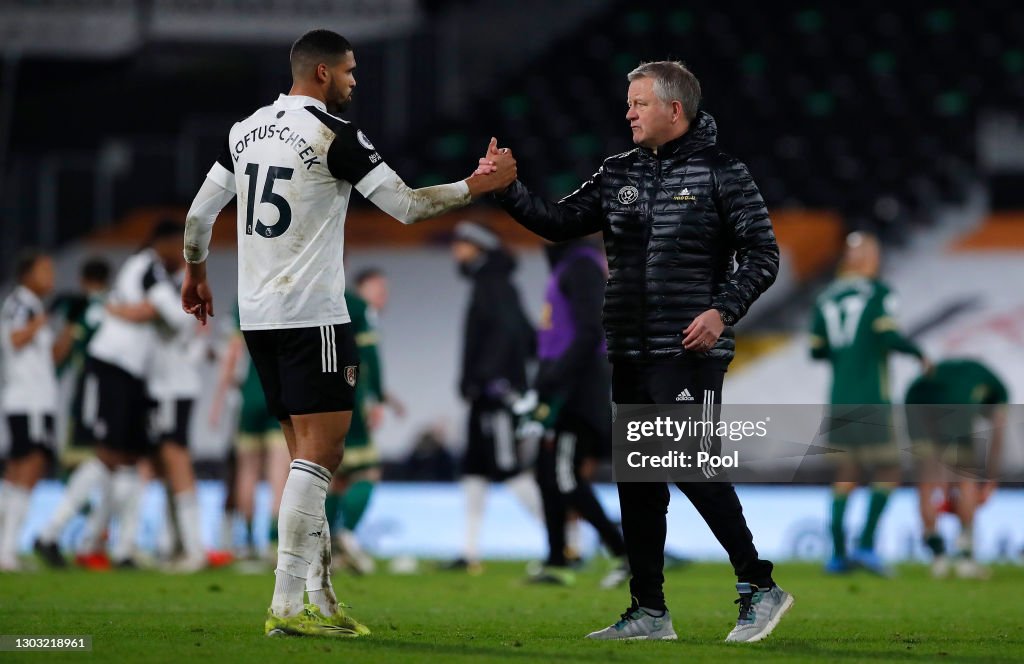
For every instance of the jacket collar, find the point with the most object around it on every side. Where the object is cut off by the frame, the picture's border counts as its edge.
(703, 132)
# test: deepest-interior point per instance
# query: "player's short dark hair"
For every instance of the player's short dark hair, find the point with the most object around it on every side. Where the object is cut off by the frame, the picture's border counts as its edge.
(317, 46)
(26, 260)
(368, 273)
(96, 270)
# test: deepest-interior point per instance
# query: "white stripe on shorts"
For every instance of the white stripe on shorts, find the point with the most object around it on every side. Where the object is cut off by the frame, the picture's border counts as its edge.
(333, 363)
(323, 350)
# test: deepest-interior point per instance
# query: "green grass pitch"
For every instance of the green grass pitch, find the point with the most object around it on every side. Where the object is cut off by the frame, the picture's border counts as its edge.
(217, 616)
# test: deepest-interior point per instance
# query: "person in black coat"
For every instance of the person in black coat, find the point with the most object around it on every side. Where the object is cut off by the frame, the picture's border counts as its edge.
(690, 247)
(498, 342)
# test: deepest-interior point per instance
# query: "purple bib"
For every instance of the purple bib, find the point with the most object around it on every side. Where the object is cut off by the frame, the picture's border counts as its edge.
(557, 327)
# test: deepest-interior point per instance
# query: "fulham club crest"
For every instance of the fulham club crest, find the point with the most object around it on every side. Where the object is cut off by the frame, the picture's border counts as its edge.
(350, 375)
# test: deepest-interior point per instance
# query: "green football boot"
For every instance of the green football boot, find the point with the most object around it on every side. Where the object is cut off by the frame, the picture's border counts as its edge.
(310, 622)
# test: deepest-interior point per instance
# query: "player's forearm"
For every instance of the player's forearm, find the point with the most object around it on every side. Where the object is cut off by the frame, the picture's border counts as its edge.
(24, 336)
(901, 344)
(62, 346)
(142, 312)
(198, 231)
(409, 205)
(207, 204)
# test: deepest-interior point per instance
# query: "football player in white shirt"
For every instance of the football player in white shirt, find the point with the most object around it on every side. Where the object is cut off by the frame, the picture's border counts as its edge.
(28, 396)
(174, 383)
(293, 165)
(113, 411)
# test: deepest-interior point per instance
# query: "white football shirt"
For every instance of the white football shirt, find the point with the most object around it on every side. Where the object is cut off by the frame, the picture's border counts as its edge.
(29, 378)
(131, 345)
(175, 370)
(292, 166)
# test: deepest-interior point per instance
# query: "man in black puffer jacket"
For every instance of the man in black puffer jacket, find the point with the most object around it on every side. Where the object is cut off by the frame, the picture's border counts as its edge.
(675, 212)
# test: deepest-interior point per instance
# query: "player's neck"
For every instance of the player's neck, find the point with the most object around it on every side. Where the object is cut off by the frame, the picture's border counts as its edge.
(306, 90)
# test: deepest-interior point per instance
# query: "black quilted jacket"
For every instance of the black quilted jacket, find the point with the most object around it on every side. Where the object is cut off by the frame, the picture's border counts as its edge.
(673, 222)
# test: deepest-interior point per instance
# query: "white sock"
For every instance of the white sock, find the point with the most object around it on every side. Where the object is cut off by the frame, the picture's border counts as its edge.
(300, 526)
(186, 506)
(965, 542)
(3, 502)
(318, 580)
(16, 507)
(89, 475)
(127, 491)
(525, 489)
(227, 530)
(475, 488)
(166, 536)
(91, 539)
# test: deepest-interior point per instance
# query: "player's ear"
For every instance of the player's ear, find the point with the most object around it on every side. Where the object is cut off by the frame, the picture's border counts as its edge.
(323, 73)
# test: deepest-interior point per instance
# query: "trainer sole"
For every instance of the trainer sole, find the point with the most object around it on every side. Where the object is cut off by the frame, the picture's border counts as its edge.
(329, 633)
(671, 637)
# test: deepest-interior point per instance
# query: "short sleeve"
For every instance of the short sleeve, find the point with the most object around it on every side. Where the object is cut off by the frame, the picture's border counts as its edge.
(351, 155)
(14, 314)
(223, 170)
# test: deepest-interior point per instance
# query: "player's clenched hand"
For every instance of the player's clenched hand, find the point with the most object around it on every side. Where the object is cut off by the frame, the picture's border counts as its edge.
(486, 164)
(495, 171)
(702, 334)
(196, 296)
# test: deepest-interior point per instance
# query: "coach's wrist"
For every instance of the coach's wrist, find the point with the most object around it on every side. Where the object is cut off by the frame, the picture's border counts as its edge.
(727, 317)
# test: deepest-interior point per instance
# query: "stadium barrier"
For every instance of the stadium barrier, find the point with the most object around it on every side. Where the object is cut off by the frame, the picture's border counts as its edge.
(426, 521)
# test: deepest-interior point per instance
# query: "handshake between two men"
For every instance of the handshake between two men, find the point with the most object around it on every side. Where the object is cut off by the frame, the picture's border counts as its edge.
(495, 172)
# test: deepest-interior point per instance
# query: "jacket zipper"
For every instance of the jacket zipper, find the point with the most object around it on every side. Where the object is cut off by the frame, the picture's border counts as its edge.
(648, 220)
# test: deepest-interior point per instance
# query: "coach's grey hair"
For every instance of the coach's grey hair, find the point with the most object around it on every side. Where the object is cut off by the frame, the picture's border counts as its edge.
(672, 82)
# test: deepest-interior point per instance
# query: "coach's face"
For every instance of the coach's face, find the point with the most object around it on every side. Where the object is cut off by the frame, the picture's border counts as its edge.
(341, 79)
(653, 122)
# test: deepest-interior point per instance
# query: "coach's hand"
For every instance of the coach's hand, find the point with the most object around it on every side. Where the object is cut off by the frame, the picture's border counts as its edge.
(702, 334)
(196, 296)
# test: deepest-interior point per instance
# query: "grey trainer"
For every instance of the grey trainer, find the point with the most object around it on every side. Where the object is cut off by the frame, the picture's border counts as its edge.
(760, 612)
(638, 623)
